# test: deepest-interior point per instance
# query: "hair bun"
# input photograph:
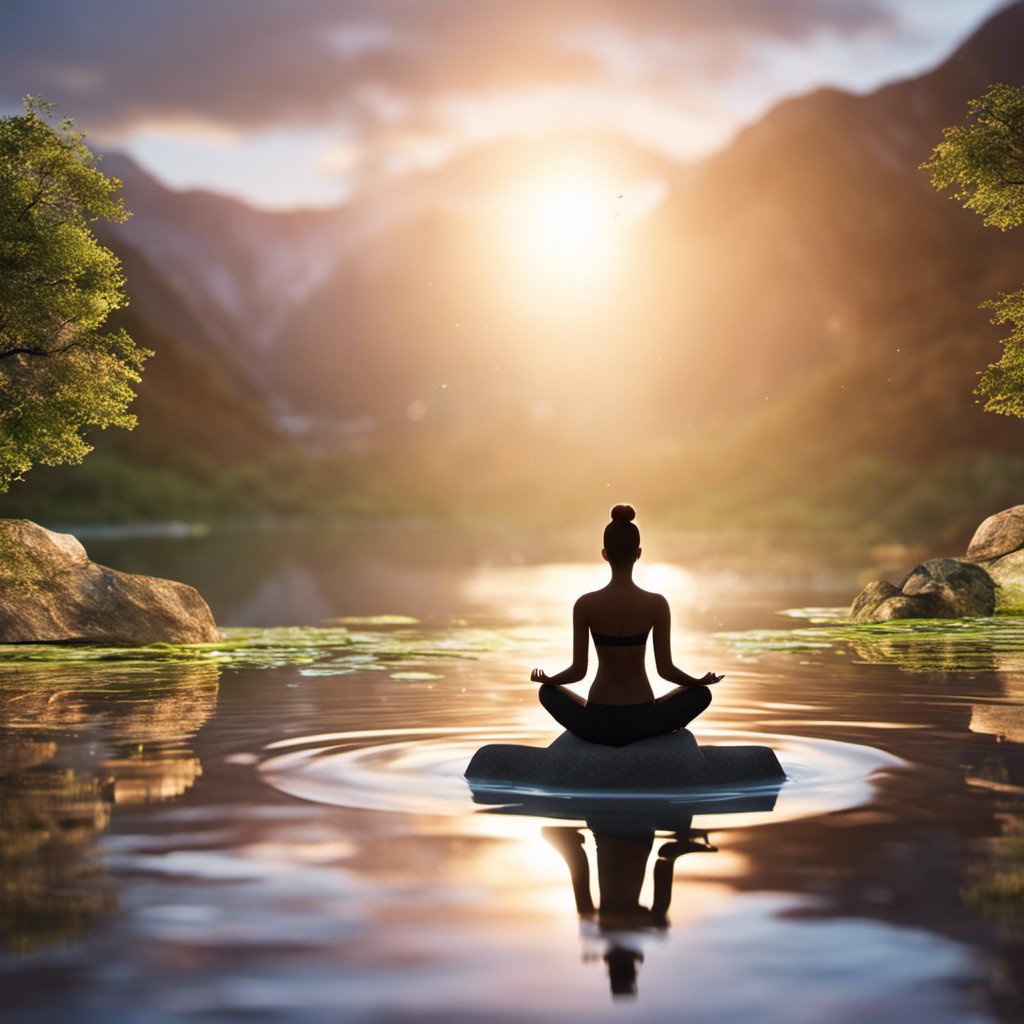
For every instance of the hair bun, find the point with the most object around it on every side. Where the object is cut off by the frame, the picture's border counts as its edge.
(623, 513)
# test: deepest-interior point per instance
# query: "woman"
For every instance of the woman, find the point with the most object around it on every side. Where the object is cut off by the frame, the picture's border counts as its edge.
(621, 707)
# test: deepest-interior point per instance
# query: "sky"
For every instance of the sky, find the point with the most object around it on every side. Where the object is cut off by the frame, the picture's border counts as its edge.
(290, 103)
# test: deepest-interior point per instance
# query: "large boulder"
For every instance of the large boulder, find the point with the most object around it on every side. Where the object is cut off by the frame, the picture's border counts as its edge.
(998, 535)
(941, 588)
(50, 591)
(670, 762)
(998, 547)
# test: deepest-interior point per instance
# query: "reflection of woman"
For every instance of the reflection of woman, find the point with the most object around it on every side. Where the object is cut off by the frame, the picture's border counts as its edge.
(621, 707)
(621, 867)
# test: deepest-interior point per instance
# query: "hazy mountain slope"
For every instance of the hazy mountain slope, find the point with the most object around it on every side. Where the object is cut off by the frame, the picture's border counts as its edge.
(804, 289)
(192, 404)
(436, 298)
(238, 268)
(891, 272)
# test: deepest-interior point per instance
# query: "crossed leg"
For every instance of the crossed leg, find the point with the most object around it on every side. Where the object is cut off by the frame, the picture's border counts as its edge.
(637, 722)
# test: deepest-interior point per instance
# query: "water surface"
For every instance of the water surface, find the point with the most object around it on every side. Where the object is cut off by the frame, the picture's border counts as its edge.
(276, 827)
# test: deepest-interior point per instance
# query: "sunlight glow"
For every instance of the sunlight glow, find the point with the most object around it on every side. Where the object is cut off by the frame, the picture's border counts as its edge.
(544, 594)
(565, 227)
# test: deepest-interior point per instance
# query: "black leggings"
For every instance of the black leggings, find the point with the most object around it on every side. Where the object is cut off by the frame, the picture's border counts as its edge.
(615, 725)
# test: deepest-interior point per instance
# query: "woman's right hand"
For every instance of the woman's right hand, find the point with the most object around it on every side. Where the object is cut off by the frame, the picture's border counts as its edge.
(538, 675)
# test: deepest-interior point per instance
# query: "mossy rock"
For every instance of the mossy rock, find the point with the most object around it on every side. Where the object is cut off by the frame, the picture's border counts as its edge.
(1008, 573)
(941, 588)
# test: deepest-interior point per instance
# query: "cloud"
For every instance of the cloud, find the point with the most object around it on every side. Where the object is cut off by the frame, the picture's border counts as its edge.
(405, 85)
(255, 64)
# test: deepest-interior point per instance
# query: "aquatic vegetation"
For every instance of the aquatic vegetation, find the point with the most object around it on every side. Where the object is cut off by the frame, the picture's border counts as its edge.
(384, 643)
(917, 645)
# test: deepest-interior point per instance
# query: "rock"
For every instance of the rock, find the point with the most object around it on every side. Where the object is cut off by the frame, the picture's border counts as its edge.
(917, 606)
(50, 591)
(965, 587)
(669, 762)
(941, 588)
(998, 535)
(904, 606)
(1008, 574)
(866, 603)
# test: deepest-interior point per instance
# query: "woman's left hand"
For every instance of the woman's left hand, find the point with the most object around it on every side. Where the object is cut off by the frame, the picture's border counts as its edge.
(538, 675)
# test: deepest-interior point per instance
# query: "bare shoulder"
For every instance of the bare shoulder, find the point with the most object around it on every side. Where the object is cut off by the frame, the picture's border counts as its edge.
(657, 603)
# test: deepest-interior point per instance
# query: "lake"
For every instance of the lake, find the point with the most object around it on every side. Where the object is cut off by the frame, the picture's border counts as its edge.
(276, 828)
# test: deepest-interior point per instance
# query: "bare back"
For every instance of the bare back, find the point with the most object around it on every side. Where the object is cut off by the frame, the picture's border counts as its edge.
(621, 609)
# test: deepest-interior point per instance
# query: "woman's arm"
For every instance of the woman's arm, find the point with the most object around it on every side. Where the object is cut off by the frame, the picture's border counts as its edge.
(663, 649)
(580, 650)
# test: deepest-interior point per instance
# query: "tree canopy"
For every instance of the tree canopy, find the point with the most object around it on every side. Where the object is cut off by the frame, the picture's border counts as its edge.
(982, 162)
(60, 372)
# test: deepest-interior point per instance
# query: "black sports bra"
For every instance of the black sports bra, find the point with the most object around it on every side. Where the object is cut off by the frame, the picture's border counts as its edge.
(620, 641)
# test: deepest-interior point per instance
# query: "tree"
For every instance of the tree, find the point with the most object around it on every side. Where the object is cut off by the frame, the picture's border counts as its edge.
(60, 372)
(982, 162)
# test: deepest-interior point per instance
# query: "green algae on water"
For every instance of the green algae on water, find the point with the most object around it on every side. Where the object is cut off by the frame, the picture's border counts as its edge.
(317, 650)
(917, 645)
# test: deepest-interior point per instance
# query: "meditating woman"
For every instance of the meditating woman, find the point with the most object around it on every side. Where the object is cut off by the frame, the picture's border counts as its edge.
(621, 707)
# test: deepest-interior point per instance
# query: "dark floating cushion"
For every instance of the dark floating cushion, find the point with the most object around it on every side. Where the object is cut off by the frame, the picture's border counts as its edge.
(670, 762)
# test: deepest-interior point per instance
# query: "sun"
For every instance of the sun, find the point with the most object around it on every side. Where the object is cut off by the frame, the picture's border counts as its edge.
(564, 228)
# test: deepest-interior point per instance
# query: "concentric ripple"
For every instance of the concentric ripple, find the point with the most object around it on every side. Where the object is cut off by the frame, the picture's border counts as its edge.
(420, 771)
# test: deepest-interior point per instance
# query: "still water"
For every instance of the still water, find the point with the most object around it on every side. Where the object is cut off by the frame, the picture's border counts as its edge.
(276, 828)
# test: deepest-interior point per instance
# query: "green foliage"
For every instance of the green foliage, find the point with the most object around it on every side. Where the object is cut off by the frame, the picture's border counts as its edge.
(60, 373)
(1002, 384)
(982, 161)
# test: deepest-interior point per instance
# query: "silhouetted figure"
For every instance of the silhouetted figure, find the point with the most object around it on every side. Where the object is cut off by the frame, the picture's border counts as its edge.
(622, 965)
(621, 867)
(621, 707)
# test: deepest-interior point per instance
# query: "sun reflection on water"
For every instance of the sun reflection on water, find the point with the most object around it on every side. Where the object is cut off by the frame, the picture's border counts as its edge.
(546, 593)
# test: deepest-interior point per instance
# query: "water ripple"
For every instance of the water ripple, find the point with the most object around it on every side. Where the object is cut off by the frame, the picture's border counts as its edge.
(420, 771)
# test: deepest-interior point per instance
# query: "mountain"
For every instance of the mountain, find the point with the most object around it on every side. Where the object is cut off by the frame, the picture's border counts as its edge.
(796, 307)
(442, 300)
(195, 402)
(846, 257)
(801, 300)
(810, 252)
(238, 269)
